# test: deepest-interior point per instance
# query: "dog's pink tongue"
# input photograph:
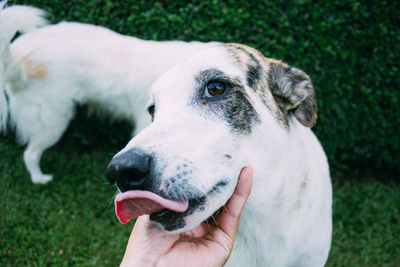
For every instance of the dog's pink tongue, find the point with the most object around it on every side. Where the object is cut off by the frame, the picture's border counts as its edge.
(134, 203)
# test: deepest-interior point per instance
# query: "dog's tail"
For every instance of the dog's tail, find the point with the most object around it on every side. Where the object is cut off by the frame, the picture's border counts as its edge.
(14, 19)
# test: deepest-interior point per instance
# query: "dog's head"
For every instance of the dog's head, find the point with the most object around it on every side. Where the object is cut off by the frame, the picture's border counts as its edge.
(184, 166)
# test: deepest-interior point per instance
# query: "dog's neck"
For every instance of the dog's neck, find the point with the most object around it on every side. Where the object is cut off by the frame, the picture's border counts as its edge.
(265, 226)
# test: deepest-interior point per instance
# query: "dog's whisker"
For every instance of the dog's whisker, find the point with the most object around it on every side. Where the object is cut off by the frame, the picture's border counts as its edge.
(215, 221)
(208, 226)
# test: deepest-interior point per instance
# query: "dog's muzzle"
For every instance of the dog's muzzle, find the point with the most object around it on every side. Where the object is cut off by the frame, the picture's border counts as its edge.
(132, 173)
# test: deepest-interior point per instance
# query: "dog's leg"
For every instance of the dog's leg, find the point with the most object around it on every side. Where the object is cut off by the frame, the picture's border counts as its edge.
(48, 135)
(32, 157)
(40, 126)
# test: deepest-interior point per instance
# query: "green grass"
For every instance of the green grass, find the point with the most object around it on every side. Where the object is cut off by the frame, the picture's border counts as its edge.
(366, 221)
(71, 222)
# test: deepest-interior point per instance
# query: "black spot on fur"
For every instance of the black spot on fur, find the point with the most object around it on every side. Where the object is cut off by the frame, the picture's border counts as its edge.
(254, 67)
(256, 77)
(290, 87)
(254, 70)
(171, 220)
(240, 113)
(253, 74)
(217, 187)
(233, 106)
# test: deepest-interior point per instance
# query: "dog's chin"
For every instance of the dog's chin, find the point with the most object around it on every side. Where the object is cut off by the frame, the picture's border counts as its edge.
(199, 210)
(175, 222)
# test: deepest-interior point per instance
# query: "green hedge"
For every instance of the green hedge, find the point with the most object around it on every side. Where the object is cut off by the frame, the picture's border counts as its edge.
(351, 49)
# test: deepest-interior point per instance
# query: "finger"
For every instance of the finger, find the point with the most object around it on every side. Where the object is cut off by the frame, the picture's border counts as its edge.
(228, 219)
(136, 236)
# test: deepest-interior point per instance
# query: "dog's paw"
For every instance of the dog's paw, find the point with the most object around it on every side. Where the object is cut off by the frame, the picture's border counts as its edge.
(42, 179)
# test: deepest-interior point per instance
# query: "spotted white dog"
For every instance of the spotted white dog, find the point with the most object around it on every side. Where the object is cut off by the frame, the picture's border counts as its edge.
(225, 108)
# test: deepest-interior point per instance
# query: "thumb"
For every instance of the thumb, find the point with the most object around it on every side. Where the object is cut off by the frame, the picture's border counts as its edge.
(228, 219)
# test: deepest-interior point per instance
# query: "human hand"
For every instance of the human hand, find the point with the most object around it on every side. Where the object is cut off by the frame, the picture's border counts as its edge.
(208, 244)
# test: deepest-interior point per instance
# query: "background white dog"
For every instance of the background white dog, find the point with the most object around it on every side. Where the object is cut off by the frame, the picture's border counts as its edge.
(52, 68)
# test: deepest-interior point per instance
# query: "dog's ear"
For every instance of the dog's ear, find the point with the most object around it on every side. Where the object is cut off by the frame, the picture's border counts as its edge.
(293, 92)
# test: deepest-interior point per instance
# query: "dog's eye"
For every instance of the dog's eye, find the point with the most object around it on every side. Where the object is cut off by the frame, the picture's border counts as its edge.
(214, 89)
(151, 109)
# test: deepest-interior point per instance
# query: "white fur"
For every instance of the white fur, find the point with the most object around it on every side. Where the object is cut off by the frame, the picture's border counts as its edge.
(10, 23)
(79, 64)
(280, 224)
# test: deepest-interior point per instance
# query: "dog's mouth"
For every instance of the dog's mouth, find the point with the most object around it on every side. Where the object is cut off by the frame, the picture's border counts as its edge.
(169, 213)
(135, 203)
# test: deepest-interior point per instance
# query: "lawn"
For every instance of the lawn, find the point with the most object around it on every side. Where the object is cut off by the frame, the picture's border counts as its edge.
(71, 222)
(366, 221)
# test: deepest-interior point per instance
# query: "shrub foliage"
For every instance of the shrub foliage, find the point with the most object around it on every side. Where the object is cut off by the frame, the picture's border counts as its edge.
(351, 49)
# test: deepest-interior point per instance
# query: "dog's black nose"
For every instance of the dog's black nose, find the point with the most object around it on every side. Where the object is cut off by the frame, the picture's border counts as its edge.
(129, 170)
